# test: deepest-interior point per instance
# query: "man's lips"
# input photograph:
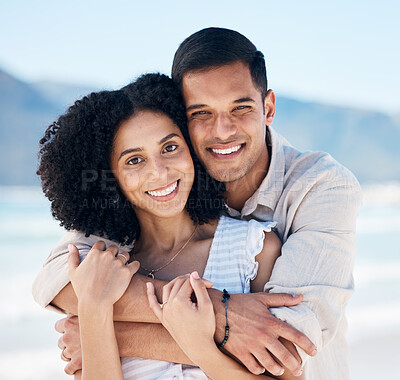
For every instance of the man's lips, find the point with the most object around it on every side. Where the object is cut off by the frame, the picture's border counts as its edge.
(222, 151)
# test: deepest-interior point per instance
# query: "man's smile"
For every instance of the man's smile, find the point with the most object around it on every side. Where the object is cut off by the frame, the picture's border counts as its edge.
(226, 152)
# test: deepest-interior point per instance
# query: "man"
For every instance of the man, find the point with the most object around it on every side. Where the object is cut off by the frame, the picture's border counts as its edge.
(313, 199)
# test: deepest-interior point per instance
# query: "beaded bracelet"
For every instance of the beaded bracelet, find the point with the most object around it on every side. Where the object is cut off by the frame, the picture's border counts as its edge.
(225, 298)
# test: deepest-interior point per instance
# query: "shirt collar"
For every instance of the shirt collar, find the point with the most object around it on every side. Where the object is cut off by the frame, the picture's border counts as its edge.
(271, 187)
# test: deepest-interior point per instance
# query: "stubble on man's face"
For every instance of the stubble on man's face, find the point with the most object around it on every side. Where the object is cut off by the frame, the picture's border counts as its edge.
(227, 122)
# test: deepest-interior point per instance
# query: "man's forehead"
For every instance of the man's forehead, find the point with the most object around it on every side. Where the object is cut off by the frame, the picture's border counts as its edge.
(237, 68)
(232, 82)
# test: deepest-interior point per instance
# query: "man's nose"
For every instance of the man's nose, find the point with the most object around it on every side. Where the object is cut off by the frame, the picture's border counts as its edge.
(224, 127)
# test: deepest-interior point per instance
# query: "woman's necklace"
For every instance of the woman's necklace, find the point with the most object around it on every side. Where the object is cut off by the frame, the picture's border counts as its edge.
(152, 271)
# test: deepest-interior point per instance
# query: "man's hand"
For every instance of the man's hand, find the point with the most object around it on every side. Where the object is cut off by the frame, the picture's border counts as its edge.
(254, 333)
(70, 342)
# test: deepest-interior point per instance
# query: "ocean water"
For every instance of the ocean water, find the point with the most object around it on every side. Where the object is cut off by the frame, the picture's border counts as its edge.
(28, 342)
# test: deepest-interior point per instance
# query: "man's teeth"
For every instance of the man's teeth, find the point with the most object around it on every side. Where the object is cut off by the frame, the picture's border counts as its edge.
(228, 150)
(165, 192)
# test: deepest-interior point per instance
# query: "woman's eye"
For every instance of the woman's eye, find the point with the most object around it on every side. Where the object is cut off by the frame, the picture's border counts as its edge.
(171, 148)
(134, 161)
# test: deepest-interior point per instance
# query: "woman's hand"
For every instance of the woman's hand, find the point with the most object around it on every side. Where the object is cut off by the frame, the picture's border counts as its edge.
(192, 325)
(102, 278)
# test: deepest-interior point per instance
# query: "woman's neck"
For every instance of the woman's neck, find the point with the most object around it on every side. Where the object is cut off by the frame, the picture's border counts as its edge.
(163, 234)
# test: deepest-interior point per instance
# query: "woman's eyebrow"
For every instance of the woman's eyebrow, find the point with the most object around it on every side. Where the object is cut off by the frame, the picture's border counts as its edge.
(134, 150)
(131, 150)
(164, 139)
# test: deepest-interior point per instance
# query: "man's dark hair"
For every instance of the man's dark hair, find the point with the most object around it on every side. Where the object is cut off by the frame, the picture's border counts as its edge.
(216, 47)
(75, 161)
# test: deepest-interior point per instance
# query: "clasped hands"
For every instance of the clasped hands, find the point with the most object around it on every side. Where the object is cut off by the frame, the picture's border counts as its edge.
(256, 337)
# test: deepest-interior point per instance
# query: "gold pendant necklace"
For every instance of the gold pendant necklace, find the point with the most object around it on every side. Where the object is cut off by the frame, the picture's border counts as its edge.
(152, 271)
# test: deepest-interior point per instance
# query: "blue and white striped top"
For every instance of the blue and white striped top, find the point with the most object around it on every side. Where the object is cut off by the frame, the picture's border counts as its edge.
(231, 265)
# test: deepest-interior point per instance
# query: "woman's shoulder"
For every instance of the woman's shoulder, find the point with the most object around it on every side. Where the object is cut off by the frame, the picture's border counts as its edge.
(233, 224)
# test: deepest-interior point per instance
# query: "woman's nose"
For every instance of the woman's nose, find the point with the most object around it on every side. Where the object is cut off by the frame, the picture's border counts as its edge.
(158, 169)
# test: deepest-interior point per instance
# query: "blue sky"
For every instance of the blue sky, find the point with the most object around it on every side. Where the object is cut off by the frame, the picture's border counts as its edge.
(341, 52)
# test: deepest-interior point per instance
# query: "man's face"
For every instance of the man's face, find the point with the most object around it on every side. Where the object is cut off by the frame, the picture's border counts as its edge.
(227, 122)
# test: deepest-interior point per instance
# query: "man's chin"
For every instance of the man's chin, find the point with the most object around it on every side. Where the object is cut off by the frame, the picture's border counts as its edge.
(227, 175)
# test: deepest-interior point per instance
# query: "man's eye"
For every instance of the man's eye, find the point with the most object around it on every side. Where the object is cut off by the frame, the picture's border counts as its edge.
(200, 114)
(171, 148)
(242, 108)
(135, 161)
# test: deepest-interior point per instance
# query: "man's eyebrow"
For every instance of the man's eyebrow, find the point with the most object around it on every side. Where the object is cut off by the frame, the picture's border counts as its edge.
(195, 107)
(243, 100)
(199, 106)
(131, 150)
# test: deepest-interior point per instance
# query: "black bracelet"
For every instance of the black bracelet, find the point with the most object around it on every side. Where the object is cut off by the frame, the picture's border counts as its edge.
(225, 298)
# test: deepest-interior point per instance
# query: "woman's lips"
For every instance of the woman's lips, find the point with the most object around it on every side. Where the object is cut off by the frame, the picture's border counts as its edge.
(164, 193)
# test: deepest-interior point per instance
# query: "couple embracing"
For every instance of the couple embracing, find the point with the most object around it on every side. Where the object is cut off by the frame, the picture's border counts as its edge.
(198, 237)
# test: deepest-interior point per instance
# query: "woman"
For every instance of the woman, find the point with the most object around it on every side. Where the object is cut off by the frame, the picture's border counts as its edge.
(119, 164)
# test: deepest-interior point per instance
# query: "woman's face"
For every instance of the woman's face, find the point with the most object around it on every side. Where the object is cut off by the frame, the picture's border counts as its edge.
(152, 164)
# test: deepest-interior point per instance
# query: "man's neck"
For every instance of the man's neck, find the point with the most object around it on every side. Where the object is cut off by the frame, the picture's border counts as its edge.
(238, 192)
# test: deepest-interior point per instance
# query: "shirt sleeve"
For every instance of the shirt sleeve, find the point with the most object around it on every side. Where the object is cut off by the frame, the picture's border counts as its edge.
(317, 259)
(53, 276)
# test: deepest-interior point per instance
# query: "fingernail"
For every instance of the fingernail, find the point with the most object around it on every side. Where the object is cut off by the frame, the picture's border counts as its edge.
(281, 372)
(314, 352)
(148, 285)
(195, 275)
(70, 247)
(298, 373)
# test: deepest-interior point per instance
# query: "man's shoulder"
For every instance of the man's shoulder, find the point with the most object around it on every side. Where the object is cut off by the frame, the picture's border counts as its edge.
(81, 241)
(316, 168)
(78, 237)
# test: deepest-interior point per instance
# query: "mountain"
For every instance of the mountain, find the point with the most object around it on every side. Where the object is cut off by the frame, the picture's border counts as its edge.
(24, 114)
(364, 141)
(63, 94)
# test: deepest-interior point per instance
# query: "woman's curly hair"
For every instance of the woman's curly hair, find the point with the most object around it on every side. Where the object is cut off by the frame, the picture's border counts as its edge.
(75, 156)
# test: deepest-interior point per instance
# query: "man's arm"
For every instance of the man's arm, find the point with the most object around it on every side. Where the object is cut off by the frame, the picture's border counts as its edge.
(318, 256)
(52, 282)
(53, 290)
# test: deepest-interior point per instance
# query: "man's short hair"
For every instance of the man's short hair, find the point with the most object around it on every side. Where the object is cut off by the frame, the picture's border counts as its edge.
(216, 47)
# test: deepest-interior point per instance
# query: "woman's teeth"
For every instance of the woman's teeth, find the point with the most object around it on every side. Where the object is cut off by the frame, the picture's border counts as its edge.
(228, 150)
(164, 192)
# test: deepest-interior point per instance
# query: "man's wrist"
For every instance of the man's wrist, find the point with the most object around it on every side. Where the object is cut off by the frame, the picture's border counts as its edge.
(219, 311)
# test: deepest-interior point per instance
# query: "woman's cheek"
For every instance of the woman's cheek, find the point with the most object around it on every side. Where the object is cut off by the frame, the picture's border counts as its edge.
(129, 179)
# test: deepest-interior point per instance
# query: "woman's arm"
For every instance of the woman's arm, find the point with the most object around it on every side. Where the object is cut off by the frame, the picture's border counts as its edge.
(192, 326)
(99, 281)
(266, 261)
(100, 353)
(131, 307)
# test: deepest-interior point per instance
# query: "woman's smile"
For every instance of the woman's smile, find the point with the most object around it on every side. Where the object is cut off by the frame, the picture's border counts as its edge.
(152, 164)
(165, 193)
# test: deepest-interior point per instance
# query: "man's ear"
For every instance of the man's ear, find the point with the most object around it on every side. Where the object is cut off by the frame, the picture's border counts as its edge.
(269, 106)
